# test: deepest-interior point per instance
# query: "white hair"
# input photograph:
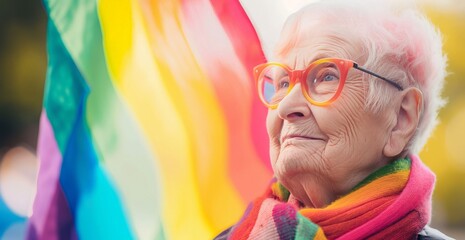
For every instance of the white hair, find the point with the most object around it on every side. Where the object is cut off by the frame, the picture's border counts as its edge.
(398, 43)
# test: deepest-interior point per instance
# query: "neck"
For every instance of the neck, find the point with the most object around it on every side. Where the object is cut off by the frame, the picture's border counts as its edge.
(318, 192)
(310, 192)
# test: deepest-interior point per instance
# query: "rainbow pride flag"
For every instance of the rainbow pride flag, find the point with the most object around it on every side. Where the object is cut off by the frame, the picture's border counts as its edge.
(151, 126)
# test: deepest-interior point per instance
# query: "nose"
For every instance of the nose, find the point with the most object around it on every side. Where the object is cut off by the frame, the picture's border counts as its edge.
(294, 106)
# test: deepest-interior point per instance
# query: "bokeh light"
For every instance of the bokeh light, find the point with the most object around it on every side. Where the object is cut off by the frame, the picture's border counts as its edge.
(18, 170)
(14, 232)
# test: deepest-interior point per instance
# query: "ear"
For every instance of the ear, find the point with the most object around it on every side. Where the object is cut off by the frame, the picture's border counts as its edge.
(407, 118)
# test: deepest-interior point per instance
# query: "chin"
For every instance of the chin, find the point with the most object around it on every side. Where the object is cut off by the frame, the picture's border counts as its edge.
(288, 164)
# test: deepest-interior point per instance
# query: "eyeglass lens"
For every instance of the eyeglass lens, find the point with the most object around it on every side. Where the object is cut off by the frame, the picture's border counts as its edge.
(321, 82)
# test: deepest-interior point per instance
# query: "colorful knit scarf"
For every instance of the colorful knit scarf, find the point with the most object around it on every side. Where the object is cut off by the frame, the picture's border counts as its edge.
(391, 203)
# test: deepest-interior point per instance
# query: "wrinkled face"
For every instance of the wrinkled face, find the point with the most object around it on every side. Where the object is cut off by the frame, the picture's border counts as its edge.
(320, 153)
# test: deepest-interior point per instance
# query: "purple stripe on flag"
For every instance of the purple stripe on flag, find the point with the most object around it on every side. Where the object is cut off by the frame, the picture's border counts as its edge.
(51, 214)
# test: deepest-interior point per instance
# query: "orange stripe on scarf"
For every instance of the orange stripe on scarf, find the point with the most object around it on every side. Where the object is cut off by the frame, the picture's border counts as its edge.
(350, 211)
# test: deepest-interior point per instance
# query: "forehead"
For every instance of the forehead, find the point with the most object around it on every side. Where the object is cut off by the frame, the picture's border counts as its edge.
(317, 41)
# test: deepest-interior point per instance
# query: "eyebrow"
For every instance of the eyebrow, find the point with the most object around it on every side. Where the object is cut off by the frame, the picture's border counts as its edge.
(280, 76)
(317, 57)
(267, 77)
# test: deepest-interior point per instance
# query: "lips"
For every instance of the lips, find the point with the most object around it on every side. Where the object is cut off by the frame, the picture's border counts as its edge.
(299, 137)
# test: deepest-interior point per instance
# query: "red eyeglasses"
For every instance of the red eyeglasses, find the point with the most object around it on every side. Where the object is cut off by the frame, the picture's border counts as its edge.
(323, 82)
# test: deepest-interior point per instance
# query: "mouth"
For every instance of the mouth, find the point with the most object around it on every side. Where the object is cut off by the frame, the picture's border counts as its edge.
(295, 137)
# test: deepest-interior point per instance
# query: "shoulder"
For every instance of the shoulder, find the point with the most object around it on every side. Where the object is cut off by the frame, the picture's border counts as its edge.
(429, 233)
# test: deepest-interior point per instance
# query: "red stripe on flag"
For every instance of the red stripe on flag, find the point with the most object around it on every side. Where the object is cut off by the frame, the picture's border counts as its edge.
(247, 45)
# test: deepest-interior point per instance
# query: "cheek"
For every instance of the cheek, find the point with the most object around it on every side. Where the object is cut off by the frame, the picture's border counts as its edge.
(274, 125)
(342, 123)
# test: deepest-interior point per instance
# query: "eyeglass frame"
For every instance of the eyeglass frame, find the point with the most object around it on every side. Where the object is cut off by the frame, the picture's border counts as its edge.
(344, 65)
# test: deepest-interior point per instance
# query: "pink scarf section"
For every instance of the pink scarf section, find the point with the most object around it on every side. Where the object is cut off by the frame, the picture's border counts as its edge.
(416, 195)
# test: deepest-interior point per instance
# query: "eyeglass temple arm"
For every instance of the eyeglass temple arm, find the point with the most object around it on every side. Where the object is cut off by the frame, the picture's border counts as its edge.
(396, 85)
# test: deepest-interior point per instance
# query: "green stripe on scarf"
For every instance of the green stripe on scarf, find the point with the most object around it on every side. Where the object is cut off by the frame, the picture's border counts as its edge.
(397, 166)
(305, 228)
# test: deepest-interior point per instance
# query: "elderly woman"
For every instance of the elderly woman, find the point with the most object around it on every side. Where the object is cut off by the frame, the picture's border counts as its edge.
(353, 93)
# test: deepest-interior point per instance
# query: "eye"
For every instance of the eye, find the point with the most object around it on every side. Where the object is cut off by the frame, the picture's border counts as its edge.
(329, 77)
(326, 75)
(284, 84)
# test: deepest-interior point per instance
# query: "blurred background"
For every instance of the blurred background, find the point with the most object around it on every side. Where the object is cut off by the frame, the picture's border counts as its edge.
(23, 65)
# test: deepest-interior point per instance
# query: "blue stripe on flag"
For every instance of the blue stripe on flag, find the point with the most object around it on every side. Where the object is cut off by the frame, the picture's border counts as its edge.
(93, 200)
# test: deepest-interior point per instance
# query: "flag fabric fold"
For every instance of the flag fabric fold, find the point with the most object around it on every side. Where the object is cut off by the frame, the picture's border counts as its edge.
(151, 124)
